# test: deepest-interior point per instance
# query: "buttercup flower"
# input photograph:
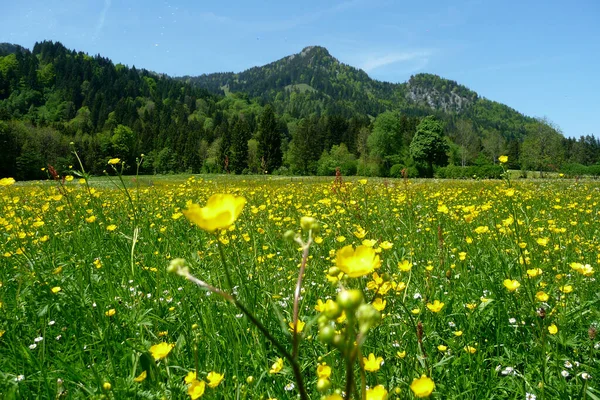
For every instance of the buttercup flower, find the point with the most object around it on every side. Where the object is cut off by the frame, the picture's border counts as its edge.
(359, 262)
(7, 181)
(422, 387)
(161, 350)
(114, 161)
(372, 363)
(277, 366)
(436, 306)
(196, 389)
(503, 159)
(220, 212)
(511, 284)
(214, 379)
(377, 393)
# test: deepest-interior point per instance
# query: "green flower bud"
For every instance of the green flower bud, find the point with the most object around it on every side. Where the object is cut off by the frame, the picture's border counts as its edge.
(326, 334)
(176, 265)
(332, 310)
(307, 222)
(333, 271)
(289, 235)
(368, 317)
(349, 300)
(323, 384)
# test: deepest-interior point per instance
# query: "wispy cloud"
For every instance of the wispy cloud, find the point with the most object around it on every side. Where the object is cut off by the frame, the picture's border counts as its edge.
(372, 62)
(285, 23)
(102, 18)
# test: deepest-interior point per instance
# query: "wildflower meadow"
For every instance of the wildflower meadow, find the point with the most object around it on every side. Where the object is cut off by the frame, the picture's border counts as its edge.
(222, 287)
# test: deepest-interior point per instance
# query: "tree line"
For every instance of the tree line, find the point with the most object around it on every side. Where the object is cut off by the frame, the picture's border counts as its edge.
(54, 100)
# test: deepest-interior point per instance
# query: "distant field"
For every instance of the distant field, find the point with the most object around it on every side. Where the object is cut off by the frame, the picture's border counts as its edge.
(488, 288)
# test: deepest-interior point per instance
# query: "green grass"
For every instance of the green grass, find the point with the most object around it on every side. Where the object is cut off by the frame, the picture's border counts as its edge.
(83, 348)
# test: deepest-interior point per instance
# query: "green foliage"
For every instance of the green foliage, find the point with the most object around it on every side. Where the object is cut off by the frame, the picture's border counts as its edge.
(338, 157)
(488, 171)
(58, 96)
(428, 145)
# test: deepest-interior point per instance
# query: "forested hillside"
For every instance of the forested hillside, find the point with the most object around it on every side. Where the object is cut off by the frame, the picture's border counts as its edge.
(304, 114)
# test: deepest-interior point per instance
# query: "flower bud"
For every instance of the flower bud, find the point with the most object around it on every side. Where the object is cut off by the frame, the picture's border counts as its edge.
(326, 334)
(368, 317)
(332, 310)
(176, 265)
(289, 235)
(307, 223)
(350, 299)
(333, 271)
(323, 384)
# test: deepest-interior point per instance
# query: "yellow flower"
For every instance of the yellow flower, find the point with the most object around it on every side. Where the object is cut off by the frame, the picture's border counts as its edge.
(334, 396)
(379, 304)
(401, 354)
(541, 296)
(482, 229)
(111, 228)
(161, 350)
(56, 289)
(404, 265)
(106, 386)
(552, 329)
(585, 270)
(511, 284)
(359, 262)
(363, 181)
(340, 239)
(566, 289)
(462, 256)
(69, 178)
(277, 366)
(7, 181)
(214, 379)
(470, 349)
(386, 245)
(422, 387)
(114, 161)
(503, 159)
(372, 363)
(542, 241)
(458, 333)
(532, 273)
(190, 377)
(90, 219)
(442, 348)
(141, 377)
(299, 327)
(323, 371)
(377, 393)
(436, 306)
(442, 208)
(220, 212)
(196, 389)
(110, 312)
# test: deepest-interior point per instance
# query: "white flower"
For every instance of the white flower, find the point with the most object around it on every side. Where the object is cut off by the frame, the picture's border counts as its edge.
(19, 378)
(38, 339)
(417, 296)
(564, 373)
(289, 386)
(568, 364)
(512, 321)
(51, 323)
(585, 376)
(530, 396)
(32, 346)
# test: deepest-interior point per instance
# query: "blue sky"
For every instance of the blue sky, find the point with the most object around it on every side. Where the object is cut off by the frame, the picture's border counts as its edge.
(539, 57)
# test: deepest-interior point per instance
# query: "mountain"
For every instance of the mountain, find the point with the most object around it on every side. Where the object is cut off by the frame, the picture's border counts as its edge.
(323, 82)
(304, 114)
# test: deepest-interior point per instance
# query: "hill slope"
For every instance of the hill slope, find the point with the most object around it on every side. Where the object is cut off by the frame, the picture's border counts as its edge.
(322, 83)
